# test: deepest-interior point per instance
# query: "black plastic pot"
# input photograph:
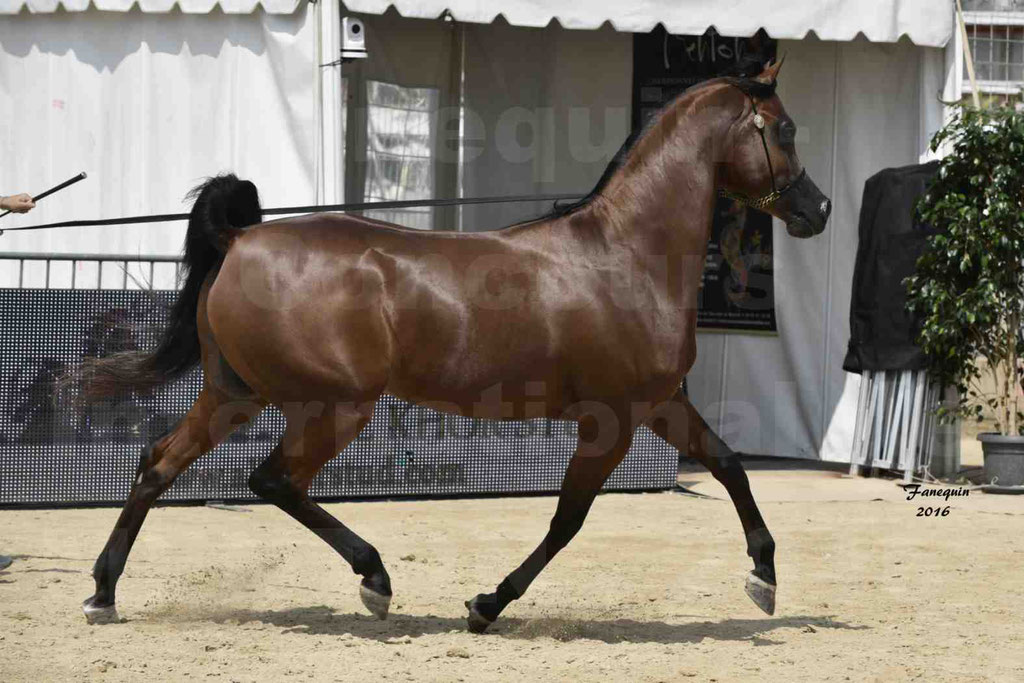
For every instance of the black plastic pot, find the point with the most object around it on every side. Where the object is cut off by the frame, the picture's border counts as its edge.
(1004, 459)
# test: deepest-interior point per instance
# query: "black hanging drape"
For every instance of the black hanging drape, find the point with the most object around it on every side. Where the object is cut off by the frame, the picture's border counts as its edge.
(891, 241)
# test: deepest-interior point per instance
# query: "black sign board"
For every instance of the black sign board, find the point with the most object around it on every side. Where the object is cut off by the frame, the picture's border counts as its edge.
(737, 292)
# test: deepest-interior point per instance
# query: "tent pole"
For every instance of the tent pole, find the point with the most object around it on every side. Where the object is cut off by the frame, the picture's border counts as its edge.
(330, 109)
(968, 59)
(859, 425)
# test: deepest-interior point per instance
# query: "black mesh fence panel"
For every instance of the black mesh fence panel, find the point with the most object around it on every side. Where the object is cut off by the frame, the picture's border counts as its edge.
(50, 455)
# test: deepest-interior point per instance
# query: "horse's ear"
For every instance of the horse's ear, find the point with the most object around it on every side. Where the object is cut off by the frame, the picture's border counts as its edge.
(771, 71)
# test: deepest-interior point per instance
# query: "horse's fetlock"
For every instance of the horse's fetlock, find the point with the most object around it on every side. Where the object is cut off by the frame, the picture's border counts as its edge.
(99, 568)
(761, 546)
(508, 591)
(366, 561)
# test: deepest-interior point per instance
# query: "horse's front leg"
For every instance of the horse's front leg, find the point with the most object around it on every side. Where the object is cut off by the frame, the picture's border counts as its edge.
(602, 445)
(679, 423)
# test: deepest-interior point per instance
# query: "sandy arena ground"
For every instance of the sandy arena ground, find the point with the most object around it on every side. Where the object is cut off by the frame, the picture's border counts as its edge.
(651, 590)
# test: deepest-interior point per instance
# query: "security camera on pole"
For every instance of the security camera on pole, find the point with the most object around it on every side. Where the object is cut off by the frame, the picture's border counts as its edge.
(353, 39)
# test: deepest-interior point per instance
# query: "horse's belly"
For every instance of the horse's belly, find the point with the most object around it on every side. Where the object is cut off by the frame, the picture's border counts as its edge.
(483, 381)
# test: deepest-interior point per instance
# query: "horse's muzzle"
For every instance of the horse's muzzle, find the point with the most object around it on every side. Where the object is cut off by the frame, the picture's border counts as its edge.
(804, 208)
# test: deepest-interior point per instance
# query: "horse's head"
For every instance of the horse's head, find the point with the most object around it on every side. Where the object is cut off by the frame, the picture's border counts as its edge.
(760, 166)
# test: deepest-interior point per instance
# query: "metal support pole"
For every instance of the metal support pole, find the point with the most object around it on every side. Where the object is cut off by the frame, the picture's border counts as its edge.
(859, 426)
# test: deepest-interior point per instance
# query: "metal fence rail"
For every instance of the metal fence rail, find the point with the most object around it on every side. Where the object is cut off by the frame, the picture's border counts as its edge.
(146, 263)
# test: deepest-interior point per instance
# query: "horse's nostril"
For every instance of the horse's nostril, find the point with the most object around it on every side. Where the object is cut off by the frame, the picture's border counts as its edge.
(825, 208)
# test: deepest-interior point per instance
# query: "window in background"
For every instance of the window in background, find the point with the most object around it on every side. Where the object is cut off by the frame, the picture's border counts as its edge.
(400, 142)
(997, 46)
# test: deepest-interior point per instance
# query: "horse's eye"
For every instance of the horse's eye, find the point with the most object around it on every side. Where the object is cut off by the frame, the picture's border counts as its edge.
(787, 132)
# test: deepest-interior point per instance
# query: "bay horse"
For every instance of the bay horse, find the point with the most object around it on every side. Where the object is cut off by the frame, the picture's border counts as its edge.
(588, 314)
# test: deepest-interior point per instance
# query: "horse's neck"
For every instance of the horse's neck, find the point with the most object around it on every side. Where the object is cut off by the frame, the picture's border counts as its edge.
(661, 201)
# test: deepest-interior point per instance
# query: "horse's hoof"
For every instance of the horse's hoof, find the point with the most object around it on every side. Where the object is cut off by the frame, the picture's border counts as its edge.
(377, 603)
(477, 622)
(761, 592)
(100, 615)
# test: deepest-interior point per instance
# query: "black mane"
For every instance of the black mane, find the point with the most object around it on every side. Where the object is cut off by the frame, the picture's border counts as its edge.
(752, 87)
(743, 80)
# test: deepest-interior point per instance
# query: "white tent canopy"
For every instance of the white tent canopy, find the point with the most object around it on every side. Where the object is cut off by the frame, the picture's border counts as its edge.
(926, 22)
(152, 6)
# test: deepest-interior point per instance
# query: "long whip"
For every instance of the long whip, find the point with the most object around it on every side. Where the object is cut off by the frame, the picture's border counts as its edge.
(55, 188)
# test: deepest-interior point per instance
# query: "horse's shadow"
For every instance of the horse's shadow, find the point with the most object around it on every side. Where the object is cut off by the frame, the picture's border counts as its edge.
(322, 620)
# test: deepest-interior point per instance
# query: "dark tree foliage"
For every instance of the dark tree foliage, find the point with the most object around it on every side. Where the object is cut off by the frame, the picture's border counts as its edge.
(968, 289)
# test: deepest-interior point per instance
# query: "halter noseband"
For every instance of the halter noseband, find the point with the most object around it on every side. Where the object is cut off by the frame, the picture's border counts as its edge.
(764, 201)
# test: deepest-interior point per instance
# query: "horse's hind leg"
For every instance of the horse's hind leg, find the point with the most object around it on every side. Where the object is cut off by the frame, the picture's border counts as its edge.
(590, 466)
(679, 423)
(284, 479)
(210, 419)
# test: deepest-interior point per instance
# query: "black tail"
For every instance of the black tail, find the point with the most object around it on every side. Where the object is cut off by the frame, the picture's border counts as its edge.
(223, 205)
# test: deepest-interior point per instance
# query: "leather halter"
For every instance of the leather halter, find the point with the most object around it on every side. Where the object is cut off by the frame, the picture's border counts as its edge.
(764, 201)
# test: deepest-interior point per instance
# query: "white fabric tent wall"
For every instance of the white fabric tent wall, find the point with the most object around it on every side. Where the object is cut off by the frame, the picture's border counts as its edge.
(860, 107)
(148, 105)
(546, 111)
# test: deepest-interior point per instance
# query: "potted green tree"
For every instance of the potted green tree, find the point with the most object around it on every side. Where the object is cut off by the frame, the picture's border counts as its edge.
(968, 289)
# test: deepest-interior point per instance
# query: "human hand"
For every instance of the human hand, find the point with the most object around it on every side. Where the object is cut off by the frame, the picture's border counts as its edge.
(18, 203)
